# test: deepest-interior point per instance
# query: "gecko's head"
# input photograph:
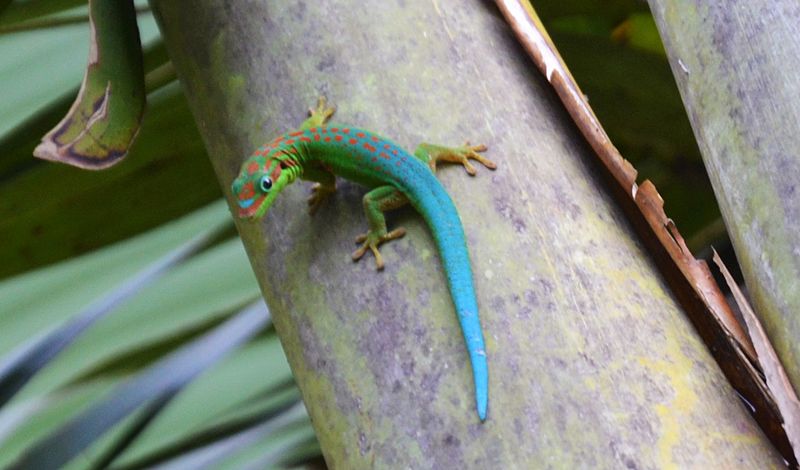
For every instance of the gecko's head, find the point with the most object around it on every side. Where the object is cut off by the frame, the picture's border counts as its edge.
(260, 181)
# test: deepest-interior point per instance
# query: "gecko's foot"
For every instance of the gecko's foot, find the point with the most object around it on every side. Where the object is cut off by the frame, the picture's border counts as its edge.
(434, 154)
(371, 240)
(468, 152)
(321, 113)
(319, 194)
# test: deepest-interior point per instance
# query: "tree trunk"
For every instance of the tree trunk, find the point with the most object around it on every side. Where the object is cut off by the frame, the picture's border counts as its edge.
(592, 364)
(736, 66)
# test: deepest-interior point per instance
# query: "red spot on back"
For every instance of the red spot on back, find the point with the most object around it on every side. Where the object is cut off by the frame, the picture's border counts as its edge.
(305, 139)
(338, 138)
(375, 139)
(327, 138)
(290, 142)
(295, 134)
(394, 151)
(313, 129)
(387, 146)
(334, 129)
(346, 130)
(384, 155)
(316, 136)
(369, 147)
(353, 141)
(375, 159)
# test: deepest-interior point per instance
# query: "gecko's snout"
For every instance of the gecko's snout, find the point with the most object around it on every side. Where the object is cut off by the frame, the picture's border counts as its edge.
(245, 203)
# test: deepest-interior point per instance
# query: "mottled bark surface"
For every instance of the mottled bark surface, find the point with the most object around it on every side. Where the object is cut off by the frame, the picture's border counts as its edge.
(736, 66)
(591, 362)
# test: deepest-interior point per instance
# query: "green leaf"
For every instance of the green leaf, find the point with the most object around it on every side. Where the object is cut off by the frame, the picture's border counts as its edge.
(18, 367)
(167, 376)
(105, 118)
(167, 171)
(21, 11)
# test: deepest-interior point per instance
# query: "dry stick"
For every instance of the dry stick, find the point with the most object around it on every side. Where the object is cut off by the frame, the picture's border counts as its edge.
(689, 278)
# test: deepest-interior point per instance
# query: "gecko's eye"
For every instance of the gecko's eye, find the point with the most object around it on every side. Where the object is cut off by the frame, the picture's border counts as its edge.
(265, 183)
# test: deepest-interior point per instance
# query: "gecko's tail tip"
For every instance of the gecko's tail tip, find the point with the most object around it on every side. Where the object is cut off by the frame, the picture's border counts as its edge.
(481, 376)
(482, 411)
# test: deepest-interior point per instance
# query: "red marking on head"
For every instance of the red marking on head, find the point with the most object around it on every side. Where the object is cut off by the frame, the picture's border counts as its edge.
(296, 134)
(305, 139)
(276, 173)
(338, 138)
(353, 141)
(384, 155)
(252, 167)
(375, 139)
(316, 137)
(346, 130)
(361, 135)
(290, 142)
(369, 147)
(327, 138)
(247, 191)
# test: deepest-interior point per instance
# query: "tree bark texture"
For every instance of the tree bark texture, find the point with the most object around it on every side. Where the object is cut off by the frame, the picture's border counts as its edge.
(592, 364)
(736, 66)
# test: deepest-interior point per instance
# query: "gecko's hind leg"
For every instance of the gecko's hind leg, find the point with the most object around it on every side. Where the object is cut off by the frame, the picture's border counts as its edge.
(376, 202)
(433, 154)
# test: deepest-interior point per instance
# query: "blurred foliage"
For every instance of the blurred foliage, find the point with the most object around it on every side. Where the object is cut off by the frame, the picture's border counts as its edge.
(51, 212)
(613, 49)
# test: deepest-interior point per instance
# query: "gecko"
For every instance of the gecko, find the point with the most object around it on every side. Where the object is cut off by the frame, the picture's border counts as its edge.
(319, 152)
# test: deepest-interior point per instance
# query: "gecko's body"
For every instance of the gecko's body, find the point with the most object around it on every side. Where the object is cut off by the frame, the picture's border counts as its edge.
(318, 152)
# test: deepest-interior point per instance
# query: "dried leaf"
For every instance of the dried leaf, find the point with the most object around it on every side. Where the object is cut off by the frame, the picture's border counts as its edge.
(777, 380)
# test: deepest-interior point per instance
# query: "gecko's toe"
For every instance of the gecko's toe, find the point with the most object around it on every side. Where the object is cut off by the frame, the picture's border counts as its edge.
(371, 240)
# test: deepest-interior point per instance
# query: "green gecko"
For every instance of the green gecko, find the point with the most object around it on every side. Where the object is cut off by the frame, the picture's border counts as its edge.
(319, 152)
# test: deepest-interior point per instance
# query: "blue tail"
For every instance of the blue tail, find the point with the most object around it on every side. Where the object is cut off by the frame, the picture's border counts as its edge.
(432, 201)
